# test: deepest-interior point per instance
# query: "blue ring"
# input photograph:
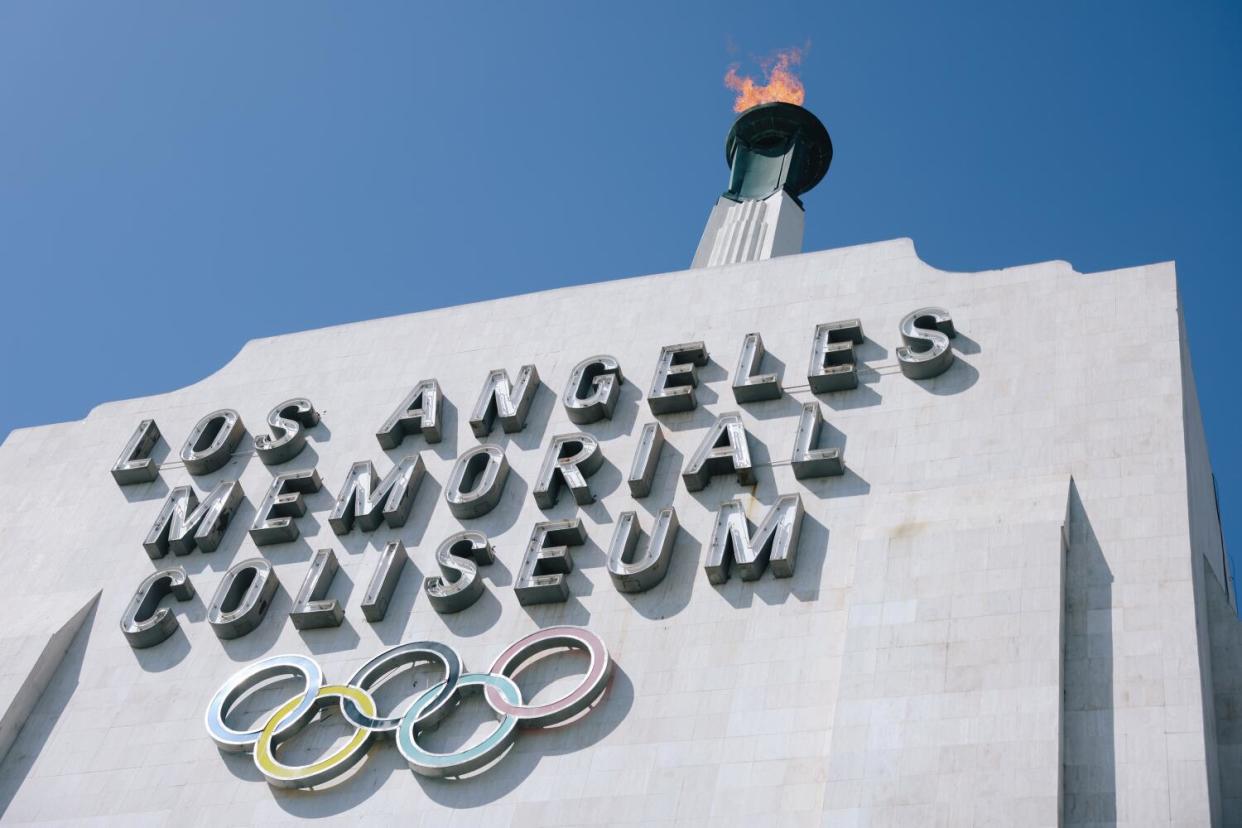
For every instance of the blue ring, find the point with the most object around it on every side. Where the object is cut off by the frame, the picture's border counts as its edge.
(243, 681)
(463, 761)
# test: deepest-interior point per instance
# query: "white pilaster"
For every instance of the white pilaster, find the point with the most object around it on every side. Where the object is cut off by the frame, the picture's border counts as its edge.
(750, 231)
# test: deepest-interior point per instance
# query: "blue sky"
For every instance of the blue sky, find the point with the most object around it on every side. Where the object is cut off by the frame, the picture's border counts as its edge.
(165, 167)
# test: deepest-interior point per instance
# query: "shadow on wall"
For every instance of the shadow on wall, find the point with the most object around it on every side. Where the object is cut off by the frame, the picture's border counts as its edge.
(1089, 783)
(42, 720)
(1226, 648)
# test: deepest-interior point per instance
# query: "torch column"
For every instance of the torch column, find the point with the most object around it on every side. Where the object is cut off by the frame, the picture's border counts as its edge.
(775, 152)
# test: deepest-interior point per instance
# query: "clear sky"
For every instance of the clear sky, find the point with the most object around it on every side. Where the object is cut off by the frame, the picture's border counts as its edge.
(168, 169)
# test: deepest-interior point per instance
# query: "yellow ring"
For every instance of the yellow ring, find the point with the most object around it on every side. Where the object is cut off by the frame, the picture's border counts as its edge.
(304, 776)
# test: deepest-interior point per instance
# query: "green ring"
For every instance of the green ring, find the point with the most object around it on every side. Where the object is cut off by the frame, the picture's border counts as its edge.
(463, 761)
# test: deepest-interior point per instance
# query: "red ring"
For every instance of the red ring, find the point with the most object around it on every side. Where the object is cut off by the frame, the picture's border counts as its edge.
(567, 706)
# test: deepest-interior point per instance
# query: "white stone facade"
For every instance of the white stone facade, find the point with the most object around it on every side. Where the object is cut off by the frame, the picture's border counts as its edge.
(1013, 609)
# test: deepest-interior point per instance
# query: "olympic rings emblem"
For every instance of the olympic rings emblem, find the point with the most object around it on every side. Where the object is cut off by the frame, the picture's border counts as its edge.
(358, 706)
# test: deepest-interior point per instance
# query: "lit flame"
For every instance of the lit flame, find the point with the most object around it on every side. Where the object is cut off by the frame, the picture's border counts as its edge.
(782, 84)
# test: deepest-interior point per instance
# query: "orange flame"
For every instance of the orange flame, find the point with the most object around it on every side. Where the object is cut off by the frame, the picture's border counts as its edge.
(781, 83)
